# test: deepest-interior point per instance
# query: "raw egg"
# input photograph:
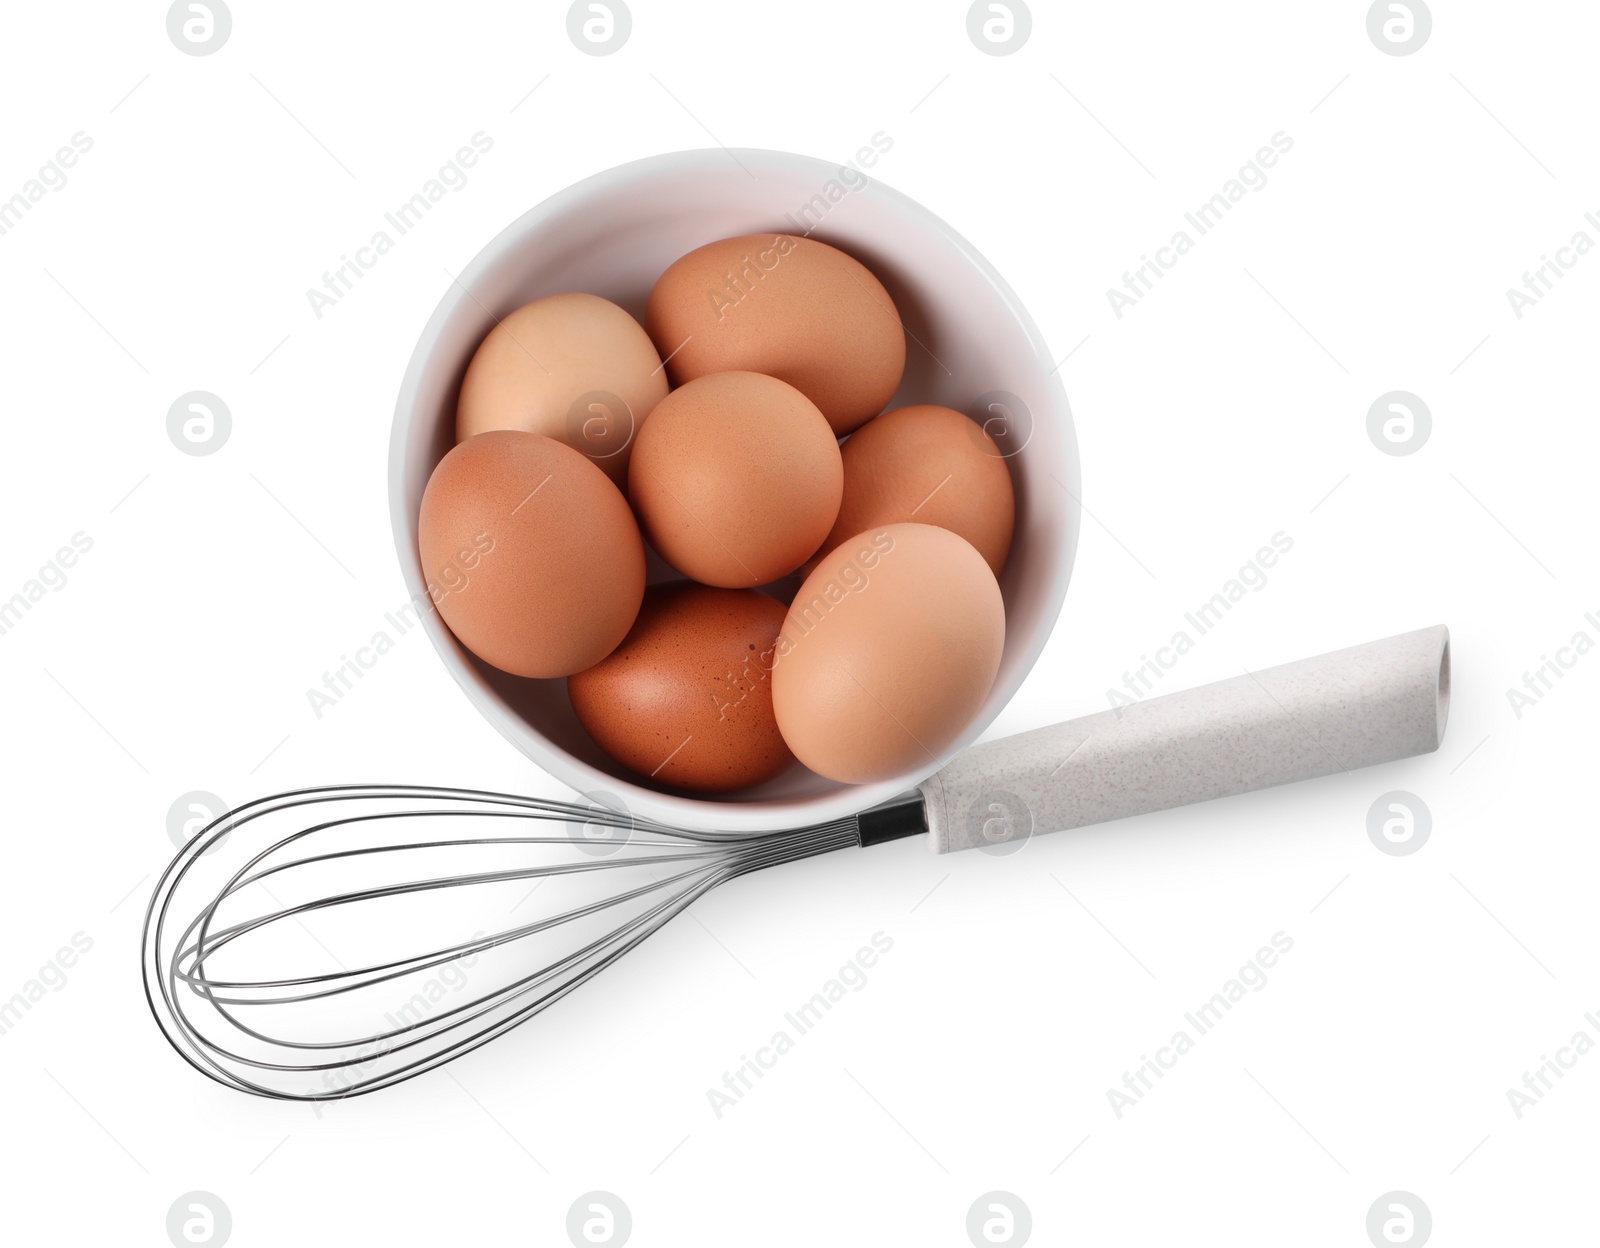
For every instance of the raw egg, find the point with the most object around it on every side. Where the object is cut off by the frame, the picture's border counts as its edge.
(573, 367)
(928, 465)
(736, 479)
(686, 699)
(530, 553)
(887, 652)
(789, 307)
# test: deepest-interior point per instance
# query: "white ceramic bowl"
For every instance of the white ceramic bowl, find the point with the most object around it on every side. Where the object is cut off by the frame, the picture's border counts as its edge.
(970, 345)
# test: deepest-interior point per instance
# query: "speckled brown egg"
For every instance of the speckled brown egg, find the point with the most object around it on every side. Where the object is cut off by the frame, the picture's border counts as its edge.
(686, 699)
(927, 465)
(736, 479)
(887, 653)
(789, 307)
(574, 367)
(530, 553)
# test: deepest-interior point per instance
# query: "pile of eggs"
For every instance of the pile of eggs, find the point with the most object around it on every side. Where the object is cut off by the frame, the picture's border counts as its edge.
(573, 451)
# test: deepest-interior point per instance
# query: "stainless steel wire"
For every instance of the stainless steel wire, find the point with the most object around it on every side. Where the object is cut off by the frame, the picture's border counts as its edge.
(392, 950)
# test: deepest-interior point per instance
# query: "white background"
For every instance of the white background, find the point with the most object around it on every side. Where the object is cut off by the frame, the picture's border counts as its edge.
(1212, 415)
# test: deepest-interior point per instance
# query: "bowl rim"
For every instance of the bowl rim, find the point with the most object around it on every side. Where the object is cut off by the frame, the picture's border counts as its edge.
(588, 781)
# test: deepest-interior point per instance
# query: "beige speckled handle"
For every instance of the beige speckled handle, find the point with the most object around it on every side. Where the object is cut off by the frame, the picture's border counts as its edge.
(1369, 704)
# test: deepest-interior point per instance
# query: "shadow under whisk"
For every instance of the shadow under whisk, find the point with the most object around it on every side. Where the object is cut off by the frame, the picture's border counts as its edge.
(328, 942)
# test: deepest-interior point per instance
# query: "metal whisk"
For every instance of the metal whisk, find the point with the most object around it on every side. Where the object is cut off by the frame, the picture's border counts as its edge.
(374, 932)
(353, 937)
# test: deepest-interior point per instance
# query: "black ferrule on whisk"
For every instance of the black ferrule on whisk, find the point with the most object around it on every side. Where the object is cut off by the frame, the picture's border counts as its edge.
(902, 817)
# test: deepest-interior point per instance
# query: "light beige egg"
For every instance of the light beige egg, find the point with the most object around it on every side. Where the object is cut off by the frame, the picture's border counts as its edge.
(573, 367)
(887, 653)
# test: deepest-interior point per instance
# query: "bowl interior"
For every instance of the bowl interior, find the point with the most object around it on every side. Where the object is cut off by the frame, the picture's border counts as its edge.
(970, 346)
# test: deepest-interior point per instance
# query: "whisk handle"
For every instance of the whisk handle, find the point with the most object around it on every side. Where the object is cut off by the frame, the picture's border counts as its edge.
(1368, 704)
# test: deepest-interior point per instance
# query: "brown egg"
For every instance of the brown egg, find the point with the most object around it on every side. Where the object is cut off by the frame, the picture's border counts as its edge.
(686, 699)
(789, 307)
(531, 555)
(736, 479)
(927, 465)
(887, 653)
(572, 367)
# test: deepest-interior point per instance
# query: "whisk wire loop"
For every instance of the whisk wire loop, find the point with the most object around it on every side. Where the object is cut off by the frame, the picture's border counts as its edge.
(295, 998)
